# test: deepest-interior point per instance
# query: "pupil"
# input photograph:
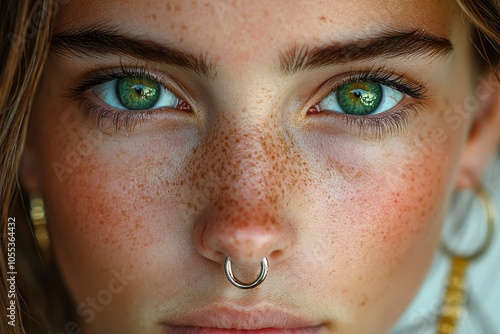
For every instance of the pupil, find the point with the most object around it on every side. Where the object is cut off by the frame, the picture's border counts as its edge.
(139, 91)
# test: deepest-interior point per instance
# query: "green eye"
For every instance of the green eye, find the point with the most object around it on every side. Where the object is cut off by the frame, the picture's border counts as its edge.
(361, 98)
(136, 93)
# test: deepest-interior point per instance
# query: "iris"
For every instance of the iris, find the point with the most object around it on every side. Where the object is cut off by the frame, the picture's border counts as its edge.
(360, 98)
(137, 93)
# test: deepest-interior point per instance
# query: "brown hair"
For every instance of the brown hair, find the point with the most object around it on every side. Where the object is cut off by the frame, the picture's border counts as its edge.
(485, 17)
(24, 42)
(25, 28)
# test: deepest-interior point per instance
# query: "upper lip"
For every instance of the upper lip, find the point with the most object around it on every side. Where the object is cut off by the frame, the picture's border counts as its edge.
(248, 318)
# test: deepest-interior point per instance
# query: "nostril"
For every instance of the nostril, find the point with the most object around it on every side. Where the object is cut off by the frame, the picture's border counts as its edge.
(277, 254)
(219, 256)
(245, 239)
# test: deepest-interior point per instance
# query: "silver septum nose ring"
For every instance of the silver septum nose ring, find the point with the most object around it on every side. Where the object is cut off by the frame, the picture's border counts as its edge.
(262, 276)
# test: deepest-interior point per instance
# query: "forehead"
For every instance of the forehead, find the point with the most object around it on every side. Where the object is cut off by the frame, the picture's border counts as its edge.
(253, 25)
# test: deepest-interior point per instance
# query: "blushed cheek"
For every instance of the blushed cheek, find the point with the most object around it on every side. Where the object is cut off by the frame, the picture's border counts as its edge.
(375, 212)
(383, 218)
(107, 203)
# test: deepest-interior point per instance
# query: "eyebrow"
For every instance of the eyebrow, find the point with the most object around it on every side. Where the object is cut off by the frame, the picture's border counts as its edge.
(106, 41)
(98, 41)
(388, 45)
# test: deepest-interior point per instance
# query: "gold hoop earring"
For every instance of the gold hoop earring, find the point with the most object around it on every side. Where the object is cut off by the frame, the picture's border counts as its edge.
(456, 288)
(39, 221)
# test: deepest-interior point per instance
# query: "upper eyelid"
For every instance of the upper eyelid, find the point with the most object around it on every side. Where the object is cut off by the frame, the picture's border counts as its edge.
(389, 79)
(101, 76)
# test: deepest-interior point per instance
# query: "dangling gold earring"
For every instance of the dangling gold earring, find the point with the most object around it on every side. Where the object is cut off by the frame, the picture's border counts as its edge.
(39, 221)
(456, 288)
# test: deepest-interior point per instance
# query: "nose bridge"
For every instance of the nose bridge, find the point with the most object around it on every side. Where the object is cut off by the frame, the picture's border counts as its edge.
(244, 219)
(246, 162)
(245, 173)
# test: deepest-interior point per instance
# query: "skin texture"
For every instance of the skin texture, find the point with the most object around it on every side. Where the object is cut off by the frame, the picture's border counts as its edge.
(348, 220)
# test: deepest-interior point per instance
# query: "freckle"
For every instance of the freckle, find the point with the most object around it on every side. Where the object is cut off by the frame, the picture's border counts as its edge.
(177, 7)
(322, 18)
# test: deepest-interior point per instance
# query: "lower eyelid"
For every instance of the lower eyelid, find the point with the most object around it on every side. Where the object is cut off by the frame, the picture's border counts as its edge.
(104, 118)
(386, 125)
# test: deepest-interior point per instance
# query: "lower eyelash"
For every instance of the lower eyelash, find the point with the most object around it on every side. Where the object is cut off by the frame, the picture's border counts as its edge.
(103, 117)
(388, 124)
(382, 127)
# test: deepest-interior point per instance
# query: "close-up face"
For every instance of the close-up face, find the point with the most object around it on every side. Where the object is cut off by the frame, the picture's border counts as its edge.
(166, 136)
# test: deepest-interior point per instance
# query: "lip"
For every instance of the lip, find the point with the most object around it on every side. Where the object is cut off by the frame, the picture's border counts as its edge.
(207, 330)
(232, 320)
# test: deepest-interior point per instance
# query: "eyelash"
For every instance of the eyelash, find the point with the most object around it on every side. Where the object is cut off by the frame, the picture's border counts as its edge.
(391, 123)
(100, 115)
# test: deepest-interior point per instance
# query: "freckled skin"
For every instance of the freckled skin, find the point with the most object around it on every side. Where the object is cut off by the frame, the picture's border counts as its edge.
(349, 222)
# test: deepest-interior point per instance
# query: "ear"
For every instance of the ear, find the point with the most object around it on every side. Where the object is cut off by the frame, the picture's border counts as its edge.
(484, 137)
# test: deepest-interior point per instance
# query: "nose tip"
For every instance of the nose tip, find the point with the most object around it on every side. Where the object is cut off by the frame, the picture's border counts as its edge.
(248, 248)
(246, 240)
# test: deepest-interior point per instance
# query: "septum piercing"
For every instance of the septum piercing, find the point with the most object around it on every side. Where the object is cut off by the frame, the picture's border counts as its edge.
(264, 267)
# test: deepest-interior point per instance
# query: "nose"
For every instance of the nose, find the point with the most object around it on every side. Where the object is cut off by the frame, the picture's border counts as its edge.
(245, 233)
(245, 219)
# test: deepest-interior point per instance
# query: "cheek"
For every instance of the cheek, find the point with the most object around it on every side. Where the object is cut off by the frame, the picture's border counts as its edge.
(110, 203)
(380, 205)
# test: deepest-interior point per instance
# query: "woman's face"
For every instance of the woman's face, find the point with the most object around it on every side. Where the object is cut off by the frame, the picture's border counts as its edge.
(264, 142)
